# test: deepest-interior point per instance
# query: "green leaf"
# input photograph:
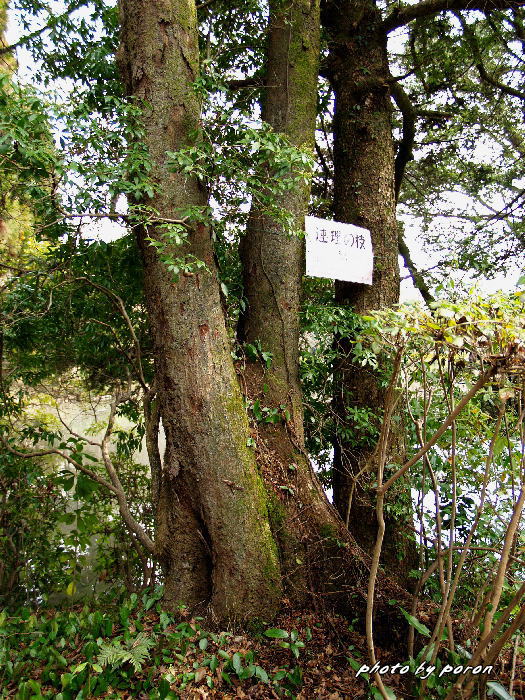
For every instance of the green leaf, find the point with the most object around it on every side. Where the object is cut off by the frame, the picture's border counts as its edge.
(414, 622)
(377, 693)
(498, 690)
(236, 663)
(261, 674)
(79, 668)
(226, 677)
(275, 633)
(356, 665)
(163, 688)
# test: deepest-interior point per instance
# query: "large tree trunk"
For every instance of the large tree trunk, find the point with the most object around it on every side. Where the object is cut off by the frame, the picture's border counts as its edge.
(273, 262)
(317, 553)
(273, 266)
(358, 71)
(213, 533)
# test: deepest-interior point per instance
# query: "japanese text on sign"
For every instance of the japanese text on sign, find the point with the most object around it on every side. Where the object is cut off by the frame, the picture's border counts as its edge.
(338, 251)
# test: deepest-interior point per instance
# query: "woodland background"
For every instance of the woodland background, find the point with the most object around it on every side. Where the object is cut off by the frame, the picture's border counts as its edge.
(177, 398)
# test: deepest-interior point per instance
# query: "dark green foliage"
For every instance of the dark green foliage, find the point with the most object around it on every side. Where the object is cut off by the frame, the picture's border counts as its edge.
(60, 321)
(33, 554)
(128, 645)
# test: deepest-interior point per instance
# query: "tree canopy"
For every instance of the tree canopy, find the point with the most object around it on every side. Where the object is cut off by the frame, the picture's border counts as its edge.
(177, 397)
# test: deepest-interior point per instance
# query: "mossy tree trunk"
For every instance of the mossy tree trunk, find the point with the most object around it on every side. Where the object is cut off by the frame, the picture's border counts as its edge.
(218, 523)
(273, 266)
(317, 553)
(364, 158)
(8, 244)
(213, 533)
(273, 262)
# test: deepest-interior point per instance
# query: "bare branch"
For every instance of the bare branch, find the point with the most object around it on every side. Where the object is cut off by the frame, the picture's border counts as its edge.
(244, 83)
(404, 153)
(381, 454)
(415, 274)
(44, 453)
(482, 381)
(407, 13)
(93, 443)
(126, 218)
(128, 518)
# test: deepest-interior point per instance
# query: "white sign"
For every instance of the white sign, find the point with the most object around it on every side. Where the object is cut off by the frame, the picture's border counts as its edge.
(338, 251)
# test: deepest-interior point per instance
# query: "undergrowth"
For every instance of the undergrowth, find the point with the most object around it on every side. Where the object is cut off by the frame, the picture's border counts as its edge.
(134, 647)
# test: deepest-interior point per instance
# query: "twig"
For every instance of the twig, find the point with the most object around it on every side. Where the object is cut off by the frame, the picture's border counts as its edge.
(482, 381)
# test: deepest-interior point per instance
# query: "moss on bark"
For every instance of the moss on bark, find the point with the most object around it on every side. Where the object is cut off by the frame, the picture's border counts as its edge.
(213, 537)
(364, 195)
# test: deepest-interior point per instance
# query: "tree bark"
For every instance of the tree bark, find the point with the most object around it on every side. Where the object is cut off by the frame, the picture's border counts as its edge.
(317, 553)
(273, 266)
(213, 535)
(364, 195)
(217, 523)
(273, 262)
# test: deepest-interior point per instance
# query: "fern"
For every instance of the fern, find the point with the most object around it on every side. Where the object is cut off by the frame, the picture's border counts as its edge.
(135, 651)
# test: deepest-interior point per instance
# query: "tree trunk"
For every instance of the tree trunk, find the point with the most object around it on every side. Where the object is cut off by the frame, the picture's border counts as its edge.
(317, 553)
(273, 266)
(364, 195)
(213, 535)
(273, 262)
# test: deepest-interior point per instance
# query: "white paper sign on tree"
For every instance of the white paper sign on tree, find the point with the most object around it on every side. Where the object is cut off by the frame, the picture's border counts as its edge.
(338, 251)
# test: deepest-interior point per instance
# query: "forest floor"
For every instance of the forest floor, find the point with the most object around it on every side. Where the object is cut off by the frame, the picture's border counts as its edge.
(136, 650)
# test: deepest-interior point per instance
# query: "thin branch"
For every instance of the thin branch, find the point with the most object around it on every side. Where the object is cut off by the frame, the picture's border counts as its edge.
(93, 443)
(493, 651)
(117, 301)
(117, 339)
(128, 518)
(472, 41)
(38, 32)
(415, 274)
(432, 114)
(482, 381)
(497, 586)
(44, 453)
(404, 153)
(244, 83)
(126, 218)
(452, 586)
(114, 485)
(381, 452)
(407, 13)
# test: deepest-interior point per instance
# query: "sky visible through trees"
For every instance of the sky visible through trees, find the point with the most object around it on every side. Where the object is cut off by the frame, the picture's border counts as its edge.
(157, 162)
